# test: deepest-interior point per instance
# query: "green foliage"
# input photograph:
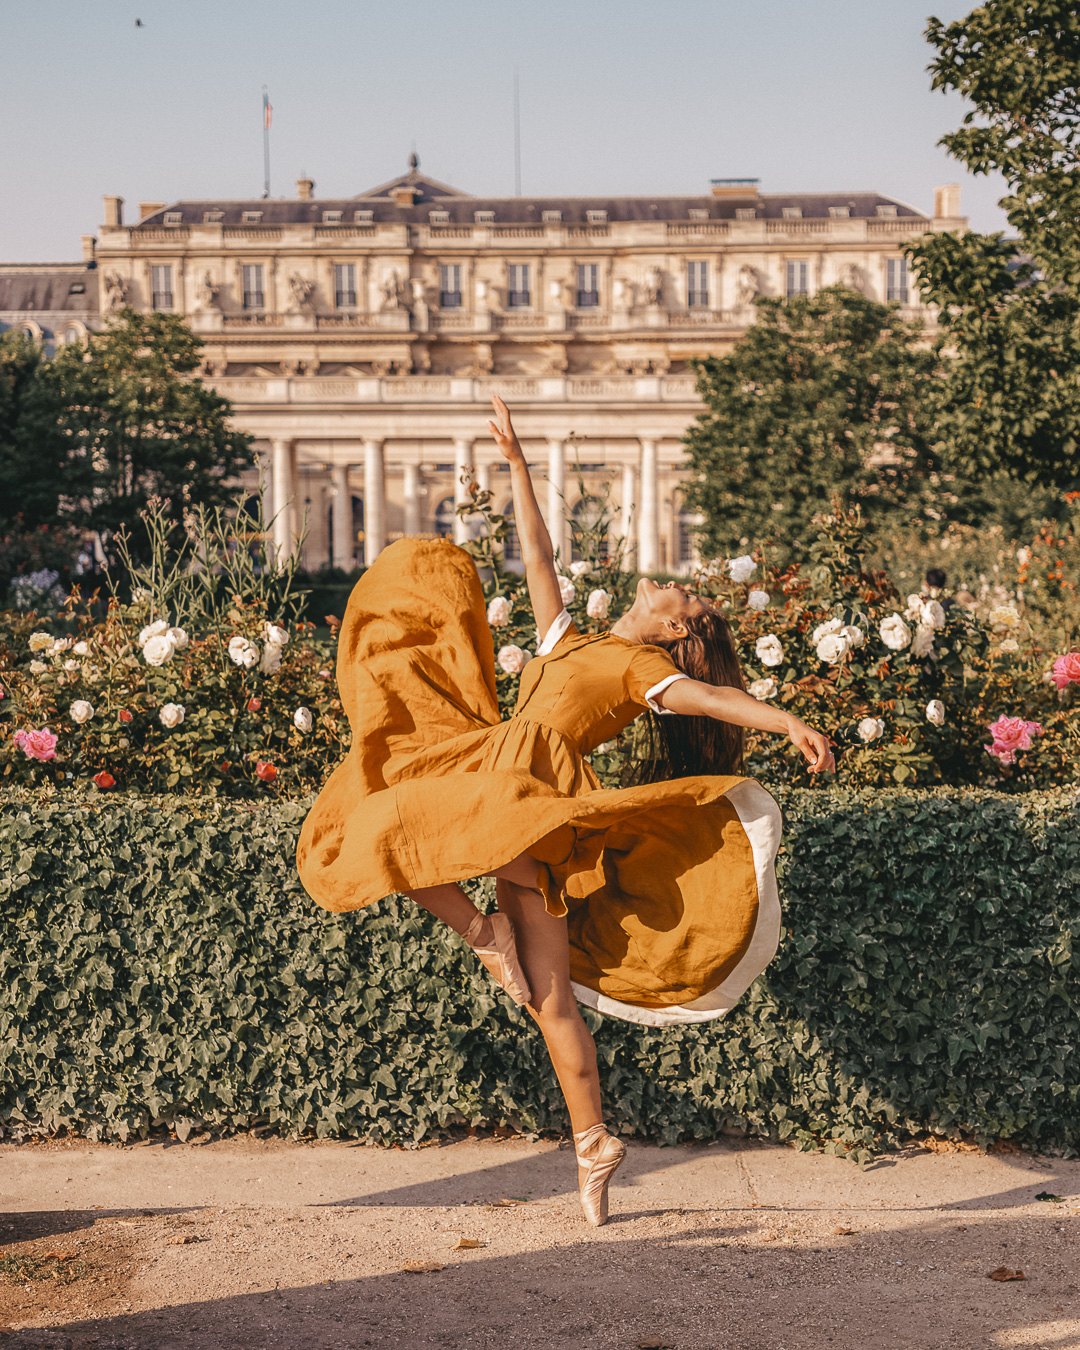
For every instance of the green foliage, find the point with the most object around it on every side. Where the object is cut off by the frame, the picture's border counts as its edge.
(822, 395)
(161, 965)
(33, 450)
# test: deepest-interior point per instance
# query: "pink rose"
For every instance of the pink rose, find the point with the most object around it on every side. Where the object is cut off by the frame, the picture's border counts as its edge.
(1010, 735)
(1066, 670)
(37, 744)
(512, 659)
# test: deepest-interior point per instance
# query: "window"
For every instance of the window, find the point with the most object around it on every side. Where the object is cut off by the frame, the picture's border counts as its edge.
(450, 286)
(363, 217)
(839, 212)
(439, 217)
(161, 294)
(596, 217)
(698, 213)
(686, 525)
(551, 217)
(444, 518)
(252, 279)
(173, 217)
(517, 291)
(484, 217)
(798, 277)
(888, 212)
(252, 217)
(746, 213)
(511, 542)
(791, 212)
(213, 217)
(697, 284)
(588, 285)
(73, 335)
(331, 217)
(896, 280)
(77, 288)
(345, 285)
(586, 520)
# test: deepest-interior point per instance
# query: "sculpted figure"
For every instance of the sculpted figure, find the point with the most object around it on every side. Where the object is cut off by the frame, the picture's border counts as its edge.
(208, 294)
(654, 286)
(117, 292)
(747, 285)
(850, 276)
(301, 289)
(392, 291)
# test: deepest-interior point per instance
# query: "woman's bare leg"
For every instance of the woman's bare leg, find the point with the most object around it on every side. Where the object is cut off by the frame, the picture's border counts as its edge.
(452, 905)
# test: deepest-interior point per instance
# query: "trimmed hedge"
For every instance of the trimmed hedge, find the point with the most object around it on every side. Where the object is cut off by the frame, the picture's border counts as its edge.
(162, 965)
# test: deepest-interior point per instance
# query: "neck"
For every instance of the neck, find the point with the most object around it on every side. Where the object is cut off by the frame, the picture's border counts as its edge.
(632, 628)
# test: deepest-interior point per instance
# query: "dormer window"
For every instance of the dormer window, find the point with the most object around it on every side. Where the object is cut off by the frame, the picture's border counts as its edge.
(213, 217)
(363, 217)
(698, 213)
(887, 212)
(839, 212)
(745, 213)
(439, 217)
(596, 217)
(174, 217)
(331, 217)
(251, 217)
(77, 288)
(791, 212)
(484, 217)
(551, 217)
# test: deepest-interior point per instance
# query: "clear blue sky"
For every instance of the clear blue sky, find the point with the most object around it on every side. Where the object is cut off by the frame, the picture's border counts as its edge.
(617, 96)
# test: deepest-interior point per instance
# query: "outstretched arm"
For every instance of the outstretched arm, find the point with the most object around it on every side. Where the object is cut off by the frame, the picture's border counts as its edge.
(694, 698)
(533, 535)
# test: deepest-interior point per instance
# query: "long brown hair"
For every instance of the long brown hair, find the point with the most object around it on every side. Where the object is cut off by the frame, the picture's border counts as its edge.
(677, 747)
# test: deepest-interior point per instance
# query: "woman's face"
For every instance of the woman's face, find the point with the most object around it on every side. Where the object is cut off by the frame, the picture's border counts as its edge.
(660, 606)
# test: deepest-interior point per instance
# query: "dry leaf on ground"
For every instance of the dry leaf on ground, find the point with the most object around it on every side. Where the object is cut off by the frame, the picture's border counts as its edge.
(184, 1240)
(504, 1203)
(845, 1232)
(422, 1267)
(467, 1242)
(1004, 1273)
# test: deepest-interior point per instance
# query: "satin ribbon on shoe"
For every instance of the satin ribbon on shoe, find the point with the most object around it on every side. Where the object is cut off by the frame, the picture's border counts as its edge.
(601, 1153)
(504, 968)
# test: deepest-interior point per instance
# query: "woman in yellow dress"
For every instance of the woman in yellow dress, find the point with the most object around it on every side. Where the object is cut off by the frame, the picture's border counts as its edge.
(656, 903)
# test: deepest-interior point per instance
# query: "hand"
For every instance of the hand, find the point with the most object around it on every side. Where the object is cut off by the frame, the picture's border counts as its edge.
(814, 747)
(503, 432)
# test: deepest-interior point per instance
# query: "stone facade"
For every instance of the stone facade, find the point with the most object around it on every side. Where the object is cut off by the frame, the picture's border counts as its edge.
(360, 339)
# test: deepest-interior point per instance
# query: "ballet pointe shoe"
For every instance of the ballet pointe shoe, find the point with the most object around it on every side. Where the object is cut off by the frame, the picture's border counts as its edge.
(600, 1153)
(500, 960)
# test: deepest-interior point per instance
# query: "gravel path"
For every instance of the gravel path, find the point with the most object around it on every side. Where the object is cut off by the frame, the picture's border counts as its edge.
(256, 1245)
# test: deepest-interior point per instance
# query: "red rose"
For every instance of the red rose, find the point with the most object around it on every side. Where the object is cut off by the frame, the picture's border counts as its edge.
(104, 779)
(254, 704)
(267, 772)
(124, 715)
(225, 765)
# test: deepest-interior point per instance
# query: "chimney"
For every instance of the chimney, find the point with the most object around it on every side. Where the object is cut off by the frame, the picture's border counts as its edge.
(947, 201)
(735, 189)
(406, 195)
(114, 210)
(88, 242)
(305, 189)
(150, 209)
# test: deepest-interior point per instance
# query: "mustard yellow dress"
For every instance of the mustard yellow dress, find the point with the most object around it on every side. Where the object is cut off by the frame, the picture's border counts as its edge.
(669, 888)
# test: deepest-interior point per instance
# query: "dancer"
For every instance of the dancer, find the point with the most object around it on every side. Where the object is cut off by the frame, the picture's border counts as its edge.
(656, 903)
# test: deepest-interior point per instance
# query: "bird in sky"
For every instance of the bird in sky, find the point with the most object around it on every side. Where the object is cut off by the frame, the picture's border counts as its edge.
(139, 23)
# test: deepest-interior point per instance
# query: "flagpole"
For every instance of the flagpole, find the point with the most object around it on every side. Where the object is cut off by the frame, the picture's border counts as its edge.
(267, 111)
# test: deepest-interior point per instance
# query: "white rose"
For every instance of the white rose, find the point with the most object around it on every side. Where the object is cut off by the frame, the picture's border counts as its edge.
(60, 645)
(512, 659)
(72, 665)
(1007, 616)
(833, 647)
(81, 649)
(935, 712)
(914, 604)
(140, 595)
(498, 612)
(38, 667)
(824, 629)
(769, 650)
(270, 661)
(870, 728)
(171, 715)
(741, 569)
(81, 711)
(1023, 556)
(40, 642)
(566, 588)
(762, 689)
(153, 630)
(894, 633)
(302, 720)
(854, 634)
(157, 650)
(933, 613)
(580, 568)
(1009, 645)
(91, 672)
(242, 652)
(179, 638)
(922, 644)
(758, 599)
(598, 604)
(273, 633)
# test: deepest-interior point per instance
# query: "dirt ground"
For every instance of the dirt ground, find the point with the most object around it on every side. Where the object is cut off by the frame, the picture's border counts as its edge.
(260, 1245)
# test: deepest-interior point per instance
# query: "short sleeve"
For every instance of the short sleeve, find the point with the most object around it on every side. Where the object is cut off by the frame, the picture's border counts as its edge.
(562, 626)
(649, 673)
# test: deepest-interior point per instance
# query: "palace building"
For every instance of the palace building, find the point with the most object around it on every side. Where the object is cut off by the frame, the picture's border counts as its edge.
(360, 339)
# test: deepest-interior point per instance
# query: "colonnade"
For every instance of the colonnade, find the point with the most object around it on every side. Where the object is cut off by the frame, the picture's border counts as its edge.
(639, 516)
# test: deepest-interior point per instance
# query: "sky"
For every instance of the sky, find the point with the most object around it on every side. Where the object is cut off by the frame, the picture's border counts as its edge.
(616, 97)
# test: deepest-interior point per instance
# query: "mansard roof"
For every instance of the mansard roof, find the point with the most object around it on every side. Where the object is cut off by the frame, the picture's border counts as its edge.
(48, 288)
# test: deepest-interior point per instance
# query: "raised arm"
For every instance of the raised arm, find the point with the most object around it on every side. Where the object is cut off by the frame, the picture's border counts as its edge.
(536, 550)
(694, 698)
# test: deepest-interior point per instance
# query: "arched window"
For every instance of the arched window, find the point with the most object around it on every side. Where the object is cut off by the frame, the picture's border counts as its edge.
(511, 544)
(444, 518)
(73, 335)
(586, 514)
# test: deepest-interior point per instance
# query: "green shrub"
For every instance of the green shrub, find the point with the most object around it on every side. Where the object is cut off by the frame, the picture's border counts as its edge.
(162, 965)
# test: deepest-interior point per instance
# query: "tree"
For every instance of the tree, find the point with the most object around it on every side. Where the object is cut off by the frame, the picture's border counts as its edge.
(821, 396)
(137, 426)
(1010, 404)
(33, 449)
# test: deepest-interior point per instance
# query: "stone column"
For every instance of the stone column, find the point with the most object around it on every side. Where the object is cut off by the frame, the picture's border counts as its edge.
(374, 501)
(483, 476)
(284, 491)
(556, 507)
(463, 463)
(626, 517)
(648, 523)
(342, 543)
(411, 495)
